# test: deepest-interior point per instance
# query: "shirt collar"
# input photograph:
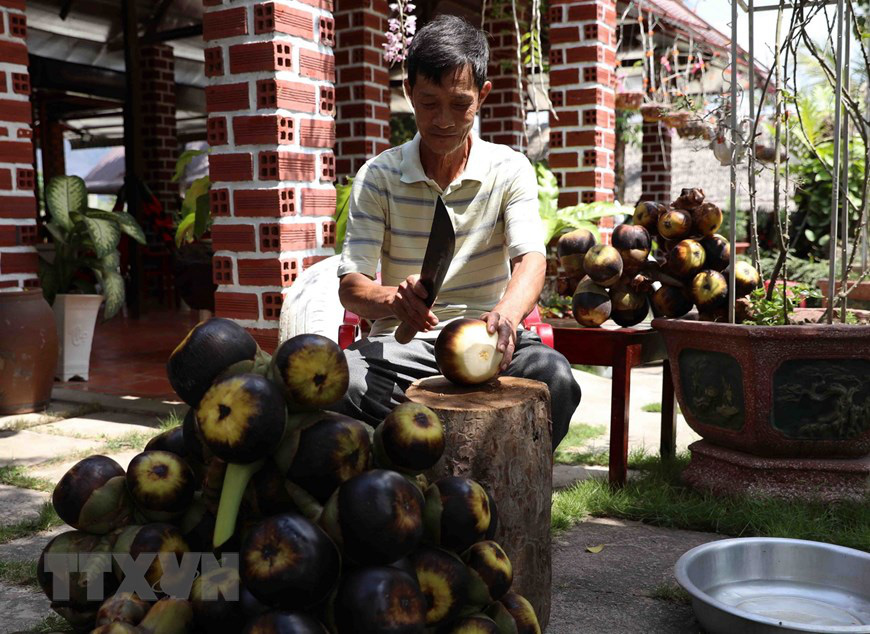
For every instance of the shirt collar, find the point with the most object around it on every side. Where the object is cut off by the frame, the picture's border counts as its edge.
(476, 168)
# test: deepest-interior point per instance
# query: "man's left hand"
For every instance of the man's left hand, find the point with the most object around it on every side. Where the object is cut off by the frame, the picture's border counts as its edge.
(507, 336)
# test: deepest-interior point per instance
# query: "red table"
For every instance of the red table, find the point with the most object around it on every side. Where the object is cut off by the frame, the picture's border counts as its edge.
(622, 349)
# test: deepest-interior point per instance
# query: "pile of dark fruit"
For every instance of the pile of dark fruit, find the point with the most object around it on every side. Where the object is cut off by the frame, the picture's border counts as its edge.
(332, 523)
(623, 280)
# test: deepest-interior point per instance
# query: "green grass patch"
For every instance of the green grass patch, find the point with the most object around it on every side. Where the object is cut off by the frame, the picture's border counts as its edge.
(672, 593)
(572, 449)
(46, 520)
(171, 421)
(16, 476)
(657, 496)
(652, 407)
(135, 440)
(50, 624)
(597, 370)
(18, 573)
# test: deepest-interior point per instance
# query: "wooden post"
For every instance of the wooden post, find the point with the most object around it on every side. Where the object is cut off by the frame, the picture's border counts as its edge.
(499, 434)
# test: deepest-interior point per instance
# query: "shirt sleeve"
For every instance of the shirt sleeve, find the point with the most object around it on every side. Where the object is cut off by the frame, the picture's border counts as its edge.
(524, 231)
(366, 224)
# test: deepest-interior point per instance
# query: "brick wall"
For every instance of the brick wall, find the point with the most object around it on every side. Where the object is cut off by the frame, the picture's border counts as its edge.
(656, 163)
(270, 99)
(501, 118)
(159, 133)
(18, 258)
(582, 81)
(362, 92)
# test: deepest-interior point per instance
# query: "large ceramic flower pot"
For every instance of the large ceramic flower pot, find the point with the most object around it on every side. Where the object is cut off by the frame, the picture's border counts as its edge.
(28, 352)
(774, 391)
(75, 317)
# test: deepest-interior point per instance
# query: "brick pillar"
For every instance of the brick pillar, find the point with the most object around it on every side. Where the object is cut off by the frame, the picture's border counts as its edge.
(501, 117)
(582, 80)
(362, 91)
(51, 144)
(271, 100)
(18, 259)
(655, 171)
(159, 132)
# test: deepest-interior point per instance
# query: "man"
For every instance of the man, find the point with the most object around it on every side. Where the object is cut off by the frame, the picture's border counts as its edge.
(498, 266)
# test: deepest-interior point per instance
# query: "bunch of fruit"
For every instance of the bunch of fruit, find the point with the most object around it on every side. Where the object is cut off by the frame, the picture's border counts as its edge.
(622, 281)
(334, 526)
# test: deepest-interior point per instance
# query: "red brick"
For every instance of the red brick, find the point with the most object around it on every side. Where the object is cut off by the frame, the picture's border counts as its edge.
(226, 97)
(272, 303)
(216, 131)
(313, 133)
(298, 236)
(17, 25)
(274, 17)
(15, 111)
(564, 34)
(563, 159)
(260, 272)
(326, 30)
(227, 23)
(319, 4)
(13, 4)
(13, 53)
(236, 305)
(564, 76)
(219, 199)
(603, 12)
(590, 96)
(312, 260)
(318, 202)
(266, 338)
(263, 130)
(260, 56)
(316, 65)
(20, 83)
(601, 180)
(19, 262)
(596, 53)
(222, 269)
(329, 234)
(233, 238)
(230, 167)
(289, 166)
(286, 94)
(214, 61)
(327, 100)
(270, 237)
(5, 179)
(8, 236)
(265, 203)
(18, 206)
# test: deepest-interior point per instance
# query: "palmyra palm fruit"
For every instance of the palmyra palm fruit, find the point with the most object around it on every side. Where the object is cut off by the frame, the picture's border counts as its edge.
(214, 598)
(410, 440)
(168, 616)
(475, 624)
(717, 252)
(571, 248)
(686, 259)
(646, 215)
(629, 307)
(289, 562)
(746, 278)
(443, 580)
(204, 354)
(514, 613)
(277, 622)
(378, 600)
(92, 496)
(591, 304)
(161, 484)
(467, 353)
(603, 264)
(709, 291)
(670, 301)
(312, 371)
(675, 224)
(331, 451)
(491, 572)
(633, 242)
(375, 517)
(706, 219)
(457, 513)
(163, 539)
(125, 607)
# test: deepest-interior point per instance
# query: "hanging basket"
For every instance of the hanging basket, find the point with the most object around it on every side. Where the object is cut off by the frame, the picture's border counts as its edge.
(695, 128)
(629, 100)
(677, 118)
(652, 112)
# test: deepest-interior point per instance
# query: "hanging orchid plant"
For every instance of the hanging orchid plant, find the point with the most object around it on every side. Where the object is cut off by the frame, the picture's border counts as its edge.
(400, 31)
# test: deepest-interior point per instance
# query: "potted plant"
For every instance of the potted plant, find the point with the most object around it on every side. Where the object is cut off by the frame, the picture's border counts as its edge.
(83, 272)
(194, 278)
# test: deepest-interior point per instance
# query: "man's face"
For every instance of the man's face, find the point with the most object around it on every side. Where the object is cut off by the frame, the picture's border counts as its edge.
(445, 112)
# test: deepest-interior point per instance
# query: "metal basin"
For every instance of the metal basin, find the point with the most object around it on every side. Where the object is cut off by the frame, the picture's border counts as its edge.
(764, 585)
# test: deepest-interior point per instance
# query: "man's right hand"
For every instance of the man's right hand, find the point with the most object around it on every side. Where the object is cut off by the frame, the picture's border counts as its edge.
(408, 306)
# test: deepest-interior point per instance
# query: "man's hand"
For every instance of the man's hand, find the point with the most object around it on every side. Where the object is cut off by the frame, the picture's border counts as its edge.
(407, 304)
(507, 336)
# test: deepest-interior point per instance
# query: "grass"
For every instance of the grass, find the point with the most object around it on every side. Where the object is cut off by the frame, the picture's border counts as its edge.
(171, 421)
(51, 623)
(672, 593)
(572, 449)
(18, 573)
(658, 497)
(16, 476)
(46, 519)
(652, 407)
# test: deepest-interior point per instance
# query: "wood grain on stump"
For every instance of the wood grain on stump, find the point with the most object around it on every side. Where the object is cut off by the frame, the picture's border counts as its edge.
(498, 434)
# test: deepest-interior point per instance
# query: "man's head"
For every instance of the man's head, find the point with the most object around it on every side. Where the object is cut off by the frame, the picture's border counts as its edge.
(447, 63)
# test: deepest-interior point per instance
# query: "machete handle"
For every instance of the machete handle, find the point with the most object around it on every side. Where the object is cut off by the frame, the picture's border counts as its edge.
(405, 332)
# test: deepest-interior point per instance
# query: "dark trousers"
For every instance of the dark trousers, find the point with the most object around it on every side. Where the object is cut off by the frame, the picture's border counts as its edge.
(382, 369)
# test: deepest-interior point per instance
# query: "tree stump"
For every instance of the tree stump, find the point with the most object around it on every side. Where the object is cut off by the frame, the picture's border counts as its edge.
(499, 434)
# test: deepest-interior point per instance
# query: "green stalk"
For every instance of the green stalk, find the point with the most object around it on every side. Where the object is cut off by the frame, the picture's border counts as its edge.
(235, 482)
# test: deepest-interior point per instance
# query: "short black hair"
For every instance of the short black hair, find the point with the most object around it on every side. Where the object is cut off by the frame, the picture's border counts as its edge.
(446, 43)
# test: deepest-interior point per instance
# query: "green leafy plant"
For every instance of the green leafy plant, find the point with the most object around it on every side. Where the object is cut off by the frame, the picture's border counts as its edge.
(776, 310)
(583, 216)
(194, 217)
(342, 210)
(86, 258)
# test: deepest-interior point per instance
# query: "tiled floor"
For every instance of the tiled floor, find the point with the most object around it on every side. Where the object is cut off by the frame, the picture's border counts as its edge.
(129, 356)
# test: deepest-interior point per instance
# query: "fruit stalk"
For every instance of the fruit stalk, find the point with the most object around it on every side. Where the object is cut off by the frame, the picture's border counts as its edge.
(235, 482)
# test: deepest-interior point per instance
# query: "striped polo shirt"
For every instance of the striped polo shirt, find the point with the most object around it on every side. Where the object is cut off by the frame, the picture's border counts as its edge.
(493, 206)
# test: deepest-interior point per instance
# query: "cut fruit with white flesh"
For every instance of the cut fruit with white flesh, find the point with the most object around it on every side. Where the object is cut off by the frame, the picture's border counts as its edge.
(466, 352)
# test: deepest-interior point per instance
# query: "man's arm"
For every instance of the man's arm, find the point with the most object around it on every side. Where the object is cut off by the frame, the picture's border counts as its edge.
(368, 299)
(523, 291)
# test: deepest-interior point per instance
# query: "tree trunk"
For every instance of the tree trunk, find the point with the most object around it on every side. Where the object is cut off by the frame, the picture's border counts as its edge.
(499, 434)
